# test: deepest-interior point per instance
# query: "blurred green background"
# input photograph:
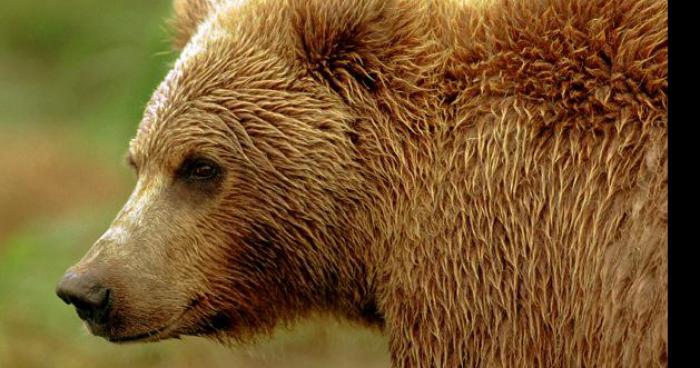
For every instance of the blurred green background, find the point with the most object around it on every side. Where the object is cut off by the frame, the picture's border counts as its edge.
(74, 78)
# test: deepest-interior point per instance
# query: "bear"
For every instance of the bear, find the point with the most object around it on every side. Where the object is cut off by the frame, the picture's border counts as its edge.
(483, 182)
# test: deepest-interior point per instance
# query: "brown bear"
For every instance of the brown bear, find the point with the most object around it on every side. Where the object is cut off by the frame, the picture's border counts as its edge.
(485, 182)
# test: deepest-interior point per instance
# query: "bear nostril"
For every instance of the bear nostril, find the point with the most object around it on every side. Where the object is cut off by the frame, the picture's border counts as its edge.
(91, 300)
(61, 294)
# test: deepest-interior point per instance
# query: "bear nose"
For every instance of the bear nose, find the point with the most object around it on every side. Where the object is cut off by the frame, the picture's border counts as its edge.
(91, 300)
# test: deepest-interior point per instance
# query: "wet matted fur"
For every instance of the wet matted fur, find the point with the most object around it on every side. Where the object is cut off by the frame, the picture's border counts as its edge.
(485, 181)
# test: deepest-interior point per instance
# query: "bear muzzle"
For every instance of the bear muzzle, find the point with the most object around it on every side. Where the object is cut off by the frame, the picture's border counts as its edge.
(85, 292)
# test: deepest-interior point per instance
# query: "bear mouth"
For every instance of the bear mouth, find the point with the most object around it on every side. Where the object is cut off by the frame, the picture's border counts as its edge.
(173, 329)
(157, 333)
(150, 335)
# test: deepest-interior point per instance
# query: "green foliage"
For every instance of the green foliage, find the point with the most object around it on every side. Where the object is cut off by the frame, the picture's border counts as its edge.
(82, 64)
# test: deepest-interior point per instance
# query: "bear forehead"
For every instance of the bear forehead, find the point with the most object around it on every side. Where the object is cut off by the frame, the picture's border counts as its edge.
(215, 66)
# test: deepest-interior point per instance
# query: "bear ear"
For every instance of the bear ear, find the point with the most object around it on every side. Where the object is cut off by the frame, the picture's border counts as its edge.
(187, 15)
(353, 45)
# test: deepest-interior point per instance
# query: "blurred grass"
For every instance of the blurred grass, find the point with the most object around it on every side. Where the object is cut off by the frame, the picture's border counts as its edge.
(74, 78)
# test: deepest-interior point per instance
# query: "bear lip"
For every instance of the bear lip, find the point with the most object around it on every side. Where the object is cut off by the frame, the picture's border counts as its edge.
(154, 334)
(142, 336)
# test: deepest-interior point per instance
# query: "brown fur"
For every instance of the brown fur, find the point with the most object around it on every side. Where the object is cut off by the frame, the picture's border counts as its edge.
(486, 183)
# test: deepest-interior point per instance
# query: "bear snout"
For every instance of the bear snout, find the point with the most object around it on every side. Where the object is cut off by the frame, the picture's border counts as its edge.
(90, 298)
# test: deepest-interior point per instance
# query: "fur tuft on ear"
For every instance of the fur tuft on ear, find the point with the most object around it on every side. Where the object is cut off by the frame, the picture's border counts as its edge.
(188, 14)
(353, 46)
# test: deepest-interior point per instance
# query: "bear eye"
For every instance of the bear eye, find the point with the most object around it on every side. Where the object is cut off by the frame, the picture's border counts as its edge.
(198, 169)
(203, 171)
